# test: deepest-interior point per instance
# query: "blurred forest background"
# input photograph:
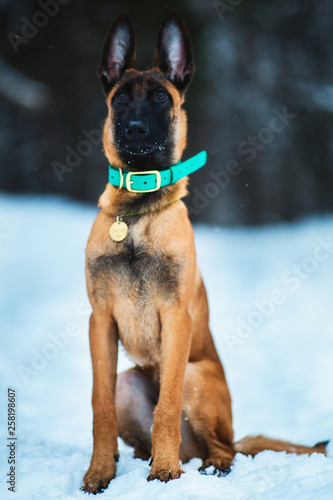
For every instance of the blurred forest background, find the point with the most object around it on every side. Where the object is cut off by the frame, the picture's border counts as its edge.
(261, 102)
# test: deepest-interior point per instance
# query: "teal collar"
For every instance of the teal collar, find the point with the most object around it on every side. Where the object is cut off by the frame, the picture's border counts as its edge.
(153, 180)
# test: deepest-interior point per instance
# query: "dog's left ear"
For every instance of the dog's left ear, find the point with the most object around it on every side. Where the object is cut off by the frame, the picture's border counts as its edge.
(118, 52)
(173, 55)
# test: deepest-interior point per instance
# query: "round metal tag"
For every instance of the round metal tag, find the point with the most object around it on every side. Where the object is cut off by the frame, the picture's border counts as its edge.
(118, 231)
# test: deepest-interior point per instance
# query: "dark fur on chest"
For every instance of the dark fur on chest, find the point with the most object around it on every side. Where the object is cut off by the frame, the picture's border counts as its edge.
(136, 267)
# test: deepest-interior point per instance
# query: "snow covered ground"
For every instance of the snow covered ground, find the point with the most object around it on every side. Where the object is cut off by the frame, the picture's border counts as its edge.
(278, 356)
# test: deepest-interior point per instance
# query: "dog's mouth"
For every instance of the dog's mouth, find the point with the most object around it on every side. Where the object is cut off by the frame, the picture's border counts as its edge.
(138, 151)
(148, 154)
(132, 151)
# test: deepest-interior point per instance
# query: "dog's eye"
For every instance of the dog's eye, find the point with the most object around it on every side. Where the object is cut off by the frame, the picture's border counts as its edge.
(160, 95)
(121, 96)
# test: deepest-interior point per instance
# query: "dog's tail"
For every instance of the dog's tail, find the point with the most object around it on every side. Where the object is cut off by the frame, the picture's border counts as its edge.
(251, 445)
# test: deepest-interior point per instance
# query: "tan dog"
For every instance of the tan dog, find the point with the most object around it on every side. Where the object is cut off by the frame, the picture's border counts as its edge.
(146, 289)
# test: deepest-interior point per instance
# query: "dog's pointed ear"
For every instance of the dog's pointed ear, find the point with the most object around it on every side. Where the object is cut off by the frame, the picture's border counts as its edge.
(173, 55)
(118, 52)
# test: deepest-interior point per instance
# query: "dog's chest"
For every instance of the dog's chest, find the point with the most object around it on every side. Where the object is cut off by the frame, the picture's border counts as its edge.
(139, 330)
(135, 270)
(136, 281)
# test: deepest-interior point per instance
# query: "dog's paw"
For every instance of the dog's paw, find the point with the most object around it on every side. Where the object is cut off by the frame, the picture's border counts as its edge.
(97, 480)
(221, 466)
(164, 474)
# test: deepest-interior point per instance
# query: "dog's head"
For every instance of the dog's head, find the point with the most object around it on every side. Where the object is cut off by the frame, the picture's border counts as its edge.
(146, 125)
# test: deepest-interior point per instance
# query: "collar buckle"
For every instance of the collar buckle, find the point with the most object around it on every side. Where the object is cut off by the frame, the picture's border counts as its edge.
(129, 181)
(121, 175)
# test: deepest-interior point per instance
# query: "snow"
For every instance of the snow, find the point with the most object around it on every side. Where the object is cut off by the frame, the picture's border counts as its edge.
(280, 372)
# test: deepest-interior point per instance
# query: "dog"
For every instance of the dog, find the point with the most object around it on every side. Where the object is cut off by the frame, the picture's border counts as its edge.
(143, 282)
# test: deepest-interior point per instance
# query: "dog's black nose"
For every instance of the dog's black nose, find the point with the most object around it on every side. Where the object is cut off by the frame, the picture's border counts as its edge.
(136, 129)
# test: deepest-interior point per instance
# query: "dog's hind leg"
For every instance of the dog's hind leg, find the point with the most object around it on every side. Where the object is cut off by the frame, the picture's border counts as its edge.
(207, 406)
(136, 398)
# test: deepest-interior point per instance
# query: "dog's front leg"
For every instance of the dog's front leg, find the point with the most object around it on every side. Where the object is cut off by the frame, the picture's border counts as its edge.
(166, 438)
(104, 351)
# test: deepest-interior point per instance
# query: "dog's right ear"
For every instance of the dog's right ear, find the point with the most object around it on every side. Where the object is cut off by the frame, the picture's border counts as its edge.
(173, 55)
(118, 52)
